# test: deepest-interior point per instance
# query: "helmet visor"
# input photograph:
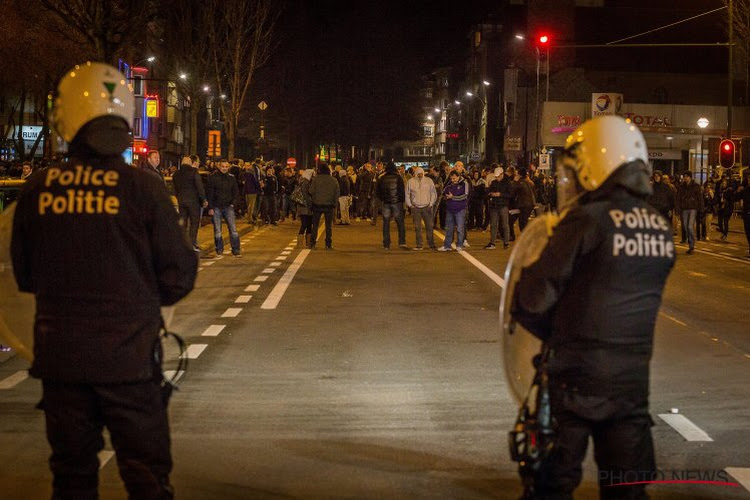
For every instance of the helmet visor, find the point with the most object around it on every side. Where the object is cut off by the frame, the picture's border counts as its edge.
(568, 187)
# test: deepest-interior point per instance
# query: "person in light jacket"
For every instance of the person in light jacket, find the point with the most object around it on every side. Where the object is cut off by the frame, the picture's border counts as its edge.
(421, 198)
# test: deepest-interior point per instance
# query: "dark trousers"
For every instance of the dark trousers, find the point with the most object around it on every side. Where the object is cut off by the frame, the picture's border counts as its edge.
(523, 217)
(441, 213)
(724, 222)
(317, 212)
(270, 208)
(701, 231)
(305, 224)
(746, 220)
(499, 219)
(190, 218)
(135, 415)
(363, 205)
(393, 211)
(476, 214)
(623, 446)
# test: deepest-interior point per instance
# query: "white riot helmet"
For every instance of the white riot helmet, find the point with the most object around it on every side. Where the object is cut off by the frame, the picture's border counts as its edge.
(593, 152)
(89, 91)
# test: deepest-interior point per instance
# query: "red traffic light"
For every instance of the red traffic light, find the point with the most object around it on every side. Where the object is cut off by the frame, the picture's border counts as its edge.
(543, 40)
(727, 153)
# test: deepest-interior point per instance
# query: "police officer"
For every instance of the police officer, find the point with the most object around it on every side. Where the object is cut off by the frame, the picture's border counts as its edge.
(99, 245)
(593, 297)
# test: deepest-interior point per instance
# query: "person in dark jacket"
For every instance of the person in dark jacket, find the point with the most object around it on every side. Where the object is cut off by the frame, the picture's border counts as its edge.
(500, 192)
(251, 189)
(525, 199)
(724, 206)
(324, 194)
(456, 194)
(391, 193)
(101, 262)
(270, 188)
(476, 201)
(303, 209)
(345, 196)
(663, 197)
(600, 336)
(705, 217)
(221, 192)
(151, 165)
(191, 197)
(689, 203)
(364, 190)
(743, 193)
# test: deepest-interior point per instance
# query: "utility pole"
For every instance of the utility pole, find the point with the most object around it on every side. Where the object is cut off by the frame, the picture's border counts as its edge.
(729, 71)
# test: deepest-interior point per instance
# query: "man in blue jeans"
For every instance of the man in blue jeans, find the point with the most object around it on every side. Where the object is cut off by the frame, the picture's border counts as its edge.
(392, 195)
(689, 202)
(221, 192)
(456, 195)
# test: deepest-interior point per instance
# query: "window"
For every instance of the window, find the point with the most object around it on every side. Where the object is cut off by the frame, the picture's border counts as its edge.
(137, 85)
(428, 93)
(477, 38)
(427, 131)
(138, 127)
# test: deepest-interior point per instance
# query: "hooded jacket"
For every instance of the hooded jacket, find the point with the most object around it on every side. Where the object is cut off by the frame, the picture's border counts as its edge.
(324, 190)
(420, 193)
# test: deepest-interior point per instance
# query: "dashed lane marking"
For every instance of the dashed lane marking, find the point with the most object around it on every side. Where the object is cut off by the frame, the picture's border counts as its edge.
(672, 318)
(741, 474)
(232, 312)
(209, 263)
(243, 299)
(104, 457)
(275, 264)
(718, 255)
(286, 252)
(281, 258)
(194, 350)
(252, 288)
(699, 275)
(261, 278)
(486, 270)
(14, 380)
(213, 331)
(688, 429)
(273, 299)
(289, 248)
(268, 270)
(201, 269)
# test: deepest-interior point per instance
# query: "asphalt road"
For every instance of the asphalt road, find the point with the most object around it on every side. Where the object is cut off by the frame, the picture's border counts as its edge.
(377, 374)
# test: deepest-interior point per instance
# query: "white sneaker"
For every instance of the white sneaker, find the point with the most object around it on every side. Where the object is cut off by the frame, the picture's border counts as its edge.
(443, 249)
(460, 249)
(466, 243)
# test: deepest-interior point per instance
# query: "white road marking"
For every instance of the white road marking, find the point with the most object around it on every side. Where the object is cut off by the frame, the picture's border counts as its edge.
(732, 247)
(173, 375)
(252, 288)
(280, 258)
(285, 252)
(717, 255)
(741, 474)
(243, 299)
(200, 269)
(275, 264)
(269, 270)
(486, 270)
(672, 318)
(194, 350)
(699, 275)
(280, 289)
(726, 254)
(681, 424)
(219, 257)
(209, 263)
(14, 380)
(261, 278)
(104, 457)
(232, 312)
(213, 331)
(289, 248)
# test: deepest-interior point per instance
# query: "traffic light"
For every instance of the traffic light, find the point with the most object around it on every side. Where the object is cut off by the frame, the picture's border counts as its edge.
(543, 41)
(726, 153)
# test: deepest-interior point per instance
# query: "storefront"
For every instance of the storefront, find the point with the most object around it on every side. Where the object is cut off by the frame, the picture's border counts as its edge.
(675, 141)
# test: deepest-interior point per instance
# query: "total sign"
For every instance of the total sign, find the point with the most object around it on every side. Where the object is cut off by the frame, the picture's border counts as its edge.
(606, 103)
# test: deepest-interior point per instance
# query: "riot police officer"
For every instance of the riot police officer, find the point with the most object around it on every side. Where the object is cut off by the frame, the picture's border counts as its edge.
(593, 298)
(99, 244)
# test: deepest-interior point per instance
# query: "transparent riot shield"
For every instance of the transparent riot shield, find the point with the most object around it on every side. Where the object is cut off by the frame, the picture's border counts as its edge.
(519, 346)
(16, 308)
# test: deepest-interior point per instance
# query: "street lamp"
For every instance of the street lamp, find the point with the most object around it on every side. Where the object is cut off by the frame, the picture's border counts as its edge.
(702, 123)
(486, 83)
(183, 76)
(206, 88)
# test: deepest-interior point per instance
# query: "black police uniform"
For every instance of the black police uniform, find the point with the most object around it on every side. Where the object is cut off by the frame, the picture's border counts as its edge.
(99, 244)
(593, 296)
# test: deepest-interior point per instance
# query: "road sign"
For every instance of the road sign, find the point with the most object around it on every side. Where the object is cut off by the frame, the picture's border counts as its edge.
(512, 144)
(262, 105)
(292, 162)
(544, 161)
(152, 108)
(214, 143)
(475, 156)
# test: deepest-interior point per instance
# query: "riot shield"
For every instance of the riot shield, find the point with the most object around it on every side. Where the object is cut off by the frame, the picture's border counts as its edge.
(16, 308)
(519, 346)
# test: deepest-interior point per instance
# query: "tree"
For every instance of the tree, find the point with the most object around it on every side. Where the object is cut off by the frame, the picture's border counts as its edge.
(103, 27)
(240, 37)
